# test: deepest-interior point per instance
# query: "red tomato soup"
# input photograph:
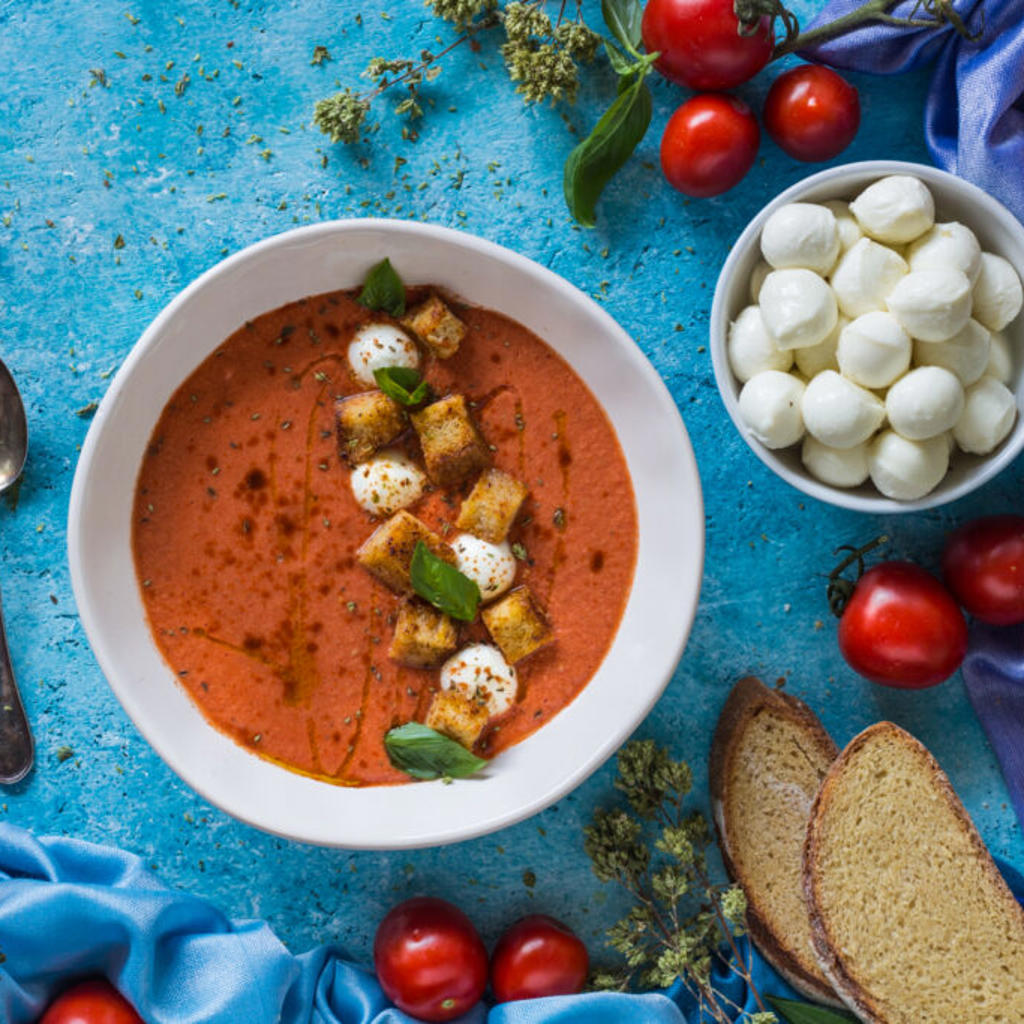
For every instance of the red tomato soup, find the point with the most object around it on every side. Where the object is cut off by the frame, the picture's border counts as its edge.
(245, 535)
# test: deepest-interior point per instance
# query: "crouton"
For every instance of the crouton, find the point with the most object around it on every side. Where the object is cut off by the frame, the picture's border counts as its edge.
(366, 422)
(436, 326)
(424, 637)
(387, 552)
(517, 624)
(457, 717)
(452, 446)
(492, 506)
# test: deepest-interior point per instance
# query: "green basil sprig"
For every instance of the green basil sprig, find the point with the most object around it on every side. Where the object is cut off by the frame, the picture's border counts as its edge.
(598, 158)
(405, 385)
(805, 1013)
(443, 585)
(383, 289)
(424, 753)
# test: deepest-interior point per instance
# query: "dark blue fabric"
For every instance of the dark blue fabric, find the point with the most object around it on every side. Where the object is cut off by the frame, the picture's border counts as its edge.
(974, 116)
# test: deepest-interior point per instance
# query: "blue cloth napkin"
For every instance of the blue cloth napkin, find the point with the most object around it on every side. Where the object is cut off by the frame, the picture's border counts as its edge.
(974, 116)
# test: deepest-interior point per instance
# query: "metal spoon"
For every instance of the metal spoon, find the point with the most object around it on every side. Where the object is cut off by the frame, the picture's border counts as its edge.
(15, 736)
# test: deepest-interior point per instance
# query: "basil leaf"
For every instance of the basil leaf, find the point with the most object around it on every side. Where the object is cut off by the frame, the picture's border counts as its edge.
(594, 162)
(425, 754)
(443, 585)
(383, 289)
(623, 18)
(620, 63)
(403, 384)
(806, 1013)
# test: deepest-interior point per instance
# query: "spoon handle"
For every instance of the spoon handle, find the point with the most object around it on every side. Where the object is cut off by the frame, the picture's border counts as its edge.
(15, 735)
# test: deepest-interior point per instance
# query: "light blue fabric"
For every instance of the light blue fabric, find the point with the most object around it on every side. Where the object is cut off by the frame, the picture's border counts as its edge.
(974, 116)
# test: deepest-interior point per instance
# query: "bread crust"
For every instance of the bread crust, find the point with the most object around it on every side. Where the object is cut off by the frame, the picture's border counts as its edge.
(856, 998)
(749, 698)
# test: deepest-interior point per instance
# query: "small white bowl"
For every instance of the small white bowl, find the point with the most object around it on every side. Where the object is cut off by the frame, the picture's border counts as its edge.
(562, 753)
(955, 199)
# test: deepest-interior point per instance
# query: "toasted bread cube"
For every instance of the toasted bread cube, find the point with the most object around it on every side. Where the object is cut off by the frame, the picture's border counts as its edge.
(452, 446)
(457, 717)
(492, 506)
(387, 552)
(436, 326)
(517, 624)
(424, 637)
(366, 422)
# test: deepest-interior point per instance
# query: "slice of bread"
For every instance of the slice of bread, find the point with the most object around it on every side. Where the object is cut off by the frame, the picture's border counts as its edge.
(768, 757)
(910, 918)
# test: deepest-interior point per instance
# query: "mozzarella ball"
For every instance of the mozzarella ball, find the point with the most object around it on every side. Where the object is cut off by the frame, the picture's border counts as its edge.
(990, 411)
(997, 292)
(849, 229)
(815, 358)
(873, 350)
(751, 349)
(1000, 358)
(761, 271)
(864, 277)
(906, 470)
(770, 407)
(838, 467)
(895, 209)
(932, 305)
(482, 675)
(375, 346)
(965, 354)
(924, 403)
(946, 245)
(801, 235)
(839, 413)
(492, 567)
(798, 308)
(387, 482)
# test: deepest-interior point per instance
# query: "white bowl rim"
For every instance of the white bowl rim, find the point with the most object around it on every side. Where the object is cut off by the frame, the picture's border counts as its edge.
(673, 631)
(718, 327)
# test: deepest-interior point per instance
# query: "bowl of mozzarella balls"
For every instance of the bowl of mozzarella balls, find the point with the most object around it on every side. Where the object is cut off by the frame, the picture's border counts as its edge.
(867, 338)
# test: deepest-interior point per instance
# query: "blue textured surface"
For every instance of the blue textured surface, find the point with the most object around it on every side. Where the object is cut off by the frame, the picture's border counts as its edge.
(185, 179)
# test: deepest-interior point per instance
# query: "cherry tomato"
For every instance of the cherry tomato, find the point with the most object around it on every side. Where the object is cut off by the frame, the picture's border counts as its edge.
(538, 956)
(701, 45)
(811, 112)
(91, 1002)
(984, 568)
(709, 144)
(902, 628)
(430, 960)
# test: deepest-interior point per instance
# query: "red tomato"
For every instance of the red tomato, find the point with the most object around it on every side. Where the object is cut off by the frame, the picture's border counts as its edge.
(902, 628)
(812, 113)
(709, 144)
(538, 956)
(91, 1002)
(430, 960)
(701, 45)
(984, 567)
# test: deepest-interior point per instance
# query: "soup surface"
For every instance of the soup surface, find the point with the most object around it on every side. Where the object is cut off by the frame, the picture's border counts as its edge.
(245, 531)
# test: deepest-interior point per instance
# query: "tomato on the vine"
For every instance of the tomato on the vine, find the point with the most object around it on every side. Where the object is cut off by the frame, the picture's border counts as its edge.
(701, 44)
(538, 956)
(811, 112)
(429, 959)
(709, 144)
(902, 628)
(95, 1001)
(983, 565)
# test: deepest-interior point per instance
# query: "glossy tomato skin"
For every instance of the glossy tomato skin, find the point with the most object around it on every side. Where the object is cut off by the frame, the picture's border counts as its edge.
(983, 566)
(902, 628)
(91, 1002)
(701, 45)
(812, 113)
(709, 144)
(538, 956)
(429, 959)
